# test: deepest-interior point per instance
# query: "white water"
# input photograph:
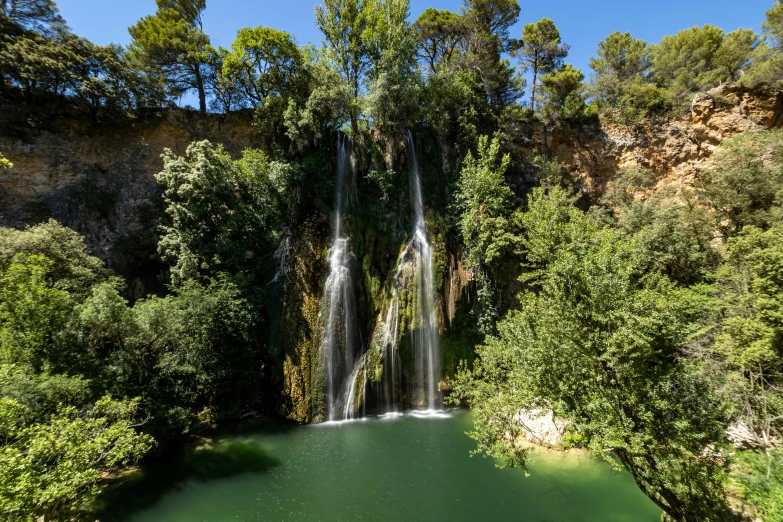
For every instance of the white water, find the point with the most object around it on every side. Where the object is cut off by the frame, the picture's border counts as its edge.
(340, 344)
(426, 345)
(345, 363)
(425, 372)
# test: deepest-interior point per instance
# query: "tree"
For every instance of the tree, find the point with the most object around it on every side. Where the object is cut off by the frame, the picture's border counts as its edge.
(50, 467)
(440, 33)
(343, 23)
(735, 54)
(172, 44)
(41, 16)
(487, 221)
(685, 62)
(489, 23)
(621, 60)
(749, 334)
(72, 268)
(493, 17)
(222, 215)
(744, 185)
(263, 62)
(32, 314)
(392, 79)
(596, 341)
(541, 51)
(563, 95)
(773, 24)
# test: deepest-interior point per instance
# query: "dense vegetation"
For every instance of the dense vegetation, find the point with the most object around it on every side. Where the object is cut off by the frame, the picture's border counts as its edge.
(650, 317)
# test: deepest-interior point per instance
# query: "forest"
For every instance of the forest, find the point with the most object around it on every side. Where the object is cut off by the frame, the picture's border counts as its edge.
(647, 312)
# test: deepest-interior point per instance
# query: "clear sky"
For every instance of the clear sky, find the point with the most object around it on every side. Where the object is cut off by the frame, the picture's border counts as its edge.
(582, 23)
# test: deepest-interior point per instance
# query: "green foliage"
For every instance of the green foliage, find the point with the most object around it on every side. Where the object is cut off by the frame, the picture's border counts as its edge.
(773, 24)
(564, 96)
(674, 232)
(32, 15)
(39, 395)
(700, 58)
(223, 214)
(541, 51)
(4, 163)
(343, 23)
(744, 186)
(761, 479)
(49, 467)
(439, 33)
(488, 224)
(172, 45)
(597, 342)
(485, 202)
(71, 267)
(32, 313)
(263, 63)
(621, 56)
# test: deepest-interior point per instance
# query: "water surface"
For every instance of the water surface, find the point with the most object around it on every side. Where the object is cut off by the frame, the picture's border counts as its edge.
(405, 468)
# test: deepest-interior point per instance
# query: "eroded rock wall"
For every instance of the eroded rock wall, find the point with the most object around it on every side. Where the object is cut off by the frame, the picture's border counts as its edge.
(675, 149)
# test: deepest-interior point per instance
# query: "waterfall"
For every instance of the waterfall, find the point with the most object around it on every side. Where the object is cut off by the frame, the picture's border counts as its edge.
(346, 364)
(426, 347)
(340, 346)
(414, 266)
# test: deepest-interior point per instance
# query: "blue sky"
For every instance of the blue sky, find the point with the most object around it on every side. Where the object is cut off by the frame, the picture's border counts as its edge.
(582, 24)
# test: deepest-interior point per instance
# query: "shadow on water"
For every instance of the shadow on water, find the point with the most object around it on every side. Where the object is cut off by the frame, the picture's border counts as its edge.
(227, 452)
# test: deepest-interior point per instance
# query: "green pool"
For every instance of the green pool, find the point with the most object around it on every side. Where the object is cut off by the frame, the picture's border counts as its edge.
(413, 467)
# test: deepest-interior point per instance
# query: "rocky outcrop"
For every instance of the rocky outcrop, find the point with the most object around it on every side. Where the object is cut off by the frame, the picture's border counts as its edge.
(541, 427)
(675, 149)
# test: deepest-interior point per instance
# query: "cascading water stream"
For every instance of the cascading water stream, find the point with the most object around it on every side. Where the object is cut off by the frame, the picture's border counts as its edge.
(346, 365)
(426, 342)
(340, 344)
(425, 370)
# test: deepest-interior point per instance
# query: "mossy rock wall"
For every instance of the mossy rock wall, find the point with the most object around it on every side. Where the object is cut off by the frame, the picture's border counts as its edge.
(299, 324)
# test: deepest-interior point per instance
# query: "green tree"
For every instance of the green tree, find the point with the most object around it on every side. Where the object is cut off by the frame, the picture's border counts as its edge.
(264, 62)
(563, 95)
(343, 23)
(31, 15)
(489, 23)
(72, 268)
(440, 34)
(672, 227)
(488, 222)
(621, 60)
(172, 44)
(541, 51)
(735, 54)
(223, 215)
(596, 340)
(687, 62)
(773, 24)
(749, 332)
(32, 314)
(744, 185)
(392, 79)
(50, 467)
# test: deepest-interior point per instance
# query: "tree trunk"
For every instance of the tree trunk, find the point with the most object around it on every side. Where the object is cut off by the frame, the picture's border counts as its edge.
(202, 95)
(533, 89)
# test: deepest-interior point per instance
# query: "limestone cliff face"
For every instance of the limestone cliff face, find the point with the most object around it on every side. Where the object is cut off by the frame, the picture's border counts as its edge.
(100, 181)
(675, 149)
